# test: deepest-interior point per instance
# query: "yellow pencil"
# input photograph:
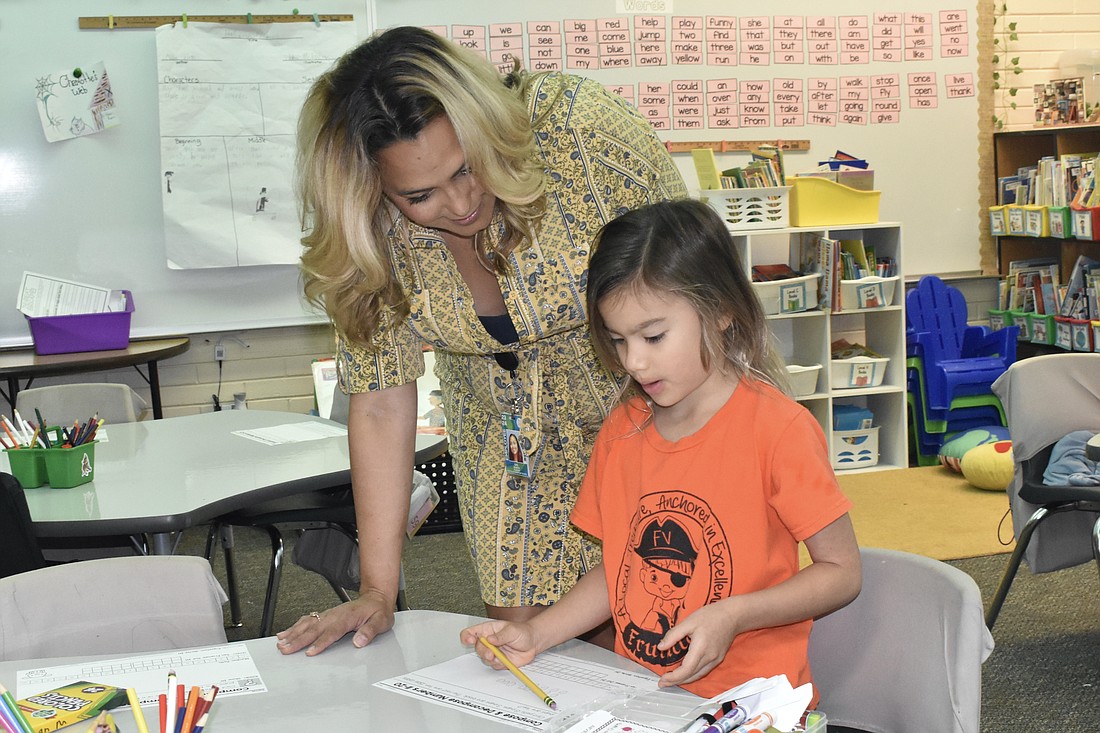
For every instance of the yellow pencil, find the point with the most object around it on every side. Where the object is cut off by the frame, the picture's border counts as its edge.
(135, 708)
(519, 675)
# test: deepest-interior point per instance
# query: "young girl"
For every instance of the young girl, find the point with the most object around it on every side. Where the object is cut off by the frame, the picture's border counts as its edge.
(703, 481)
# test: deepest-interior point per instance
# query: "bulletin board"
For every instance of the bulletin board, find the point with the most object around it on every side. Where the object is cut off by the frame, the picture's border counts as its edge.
(896, 85)
(89, 209)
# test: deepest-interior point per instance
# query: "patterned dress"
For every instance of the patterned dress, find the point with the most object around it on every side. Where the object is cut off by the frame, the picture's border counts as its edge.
(602, 159)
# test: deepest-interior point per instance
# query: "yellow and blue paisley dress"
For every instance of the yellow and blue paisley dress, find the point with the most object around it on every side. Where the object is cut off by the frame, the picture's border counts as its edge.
(601, 160)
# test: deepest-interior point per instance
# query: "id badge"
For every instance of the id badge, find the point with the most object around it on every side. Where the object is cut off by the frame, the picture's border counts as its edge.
(515, 460)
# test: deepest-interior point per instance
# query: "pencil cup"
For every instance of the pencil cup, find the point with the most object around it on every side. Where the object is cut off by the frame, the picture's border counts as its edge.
(69, 467)
(28, 465)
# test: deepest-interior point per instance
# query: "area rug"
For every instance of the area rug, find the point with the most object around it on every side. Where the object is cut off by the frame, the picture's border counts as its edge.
(929, 511)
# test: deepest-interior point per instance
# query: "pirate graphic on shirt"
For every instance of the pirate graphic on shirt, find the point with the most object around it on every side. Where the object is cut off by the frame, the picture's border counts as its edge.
(677, 560)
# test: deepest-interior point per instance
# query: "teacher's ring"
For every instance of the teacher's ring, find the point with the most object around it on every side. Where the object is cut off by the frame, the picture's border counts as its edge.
(315, 615)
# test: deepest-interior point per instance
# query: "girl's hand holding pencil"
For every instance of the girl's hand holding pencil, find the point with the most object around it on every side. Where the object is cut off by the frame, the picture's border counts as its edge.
(520, 647)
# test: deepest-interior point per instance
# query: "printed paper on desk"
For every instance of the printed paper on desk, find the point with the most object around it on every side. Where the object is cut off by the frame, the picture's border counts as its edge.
(75, 102)
(292, 433)
(229, 666)
(465, 684)
(602, 721)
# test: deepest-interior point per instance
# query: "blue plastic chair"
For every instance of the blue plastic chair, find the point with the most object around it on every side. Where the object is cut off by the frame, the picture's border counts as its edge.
(956, 358)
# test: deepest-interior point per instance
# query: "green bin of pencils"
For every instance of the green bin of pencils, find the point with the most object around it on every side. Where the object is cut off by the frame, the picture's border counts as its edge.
(28, 465)
(69, 467)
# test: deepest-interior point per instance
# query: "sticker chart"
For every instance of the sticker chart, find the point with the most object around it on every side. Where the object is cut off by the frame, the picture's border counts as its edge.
(464, 683)
(229, 666)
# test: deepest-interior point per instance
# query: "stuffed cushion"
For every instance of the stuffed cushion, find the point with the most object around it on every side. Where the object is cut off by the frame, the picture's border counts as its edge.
(989, 466)
(952, 451)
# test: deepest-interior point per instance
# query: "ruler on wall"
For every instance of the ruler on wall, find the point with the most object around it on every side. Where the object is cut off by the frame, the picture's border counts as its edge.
(114, 22)
(727, 146)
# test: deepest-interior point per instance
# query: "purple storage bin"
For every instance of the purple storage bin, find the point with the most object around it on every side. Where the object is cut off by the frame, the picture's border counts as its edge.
(82, 332)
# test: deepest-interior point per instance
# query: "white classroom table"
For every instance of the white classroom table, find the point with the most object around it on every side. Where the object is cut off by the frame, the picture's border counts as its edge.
(334, 691)
(163, 476)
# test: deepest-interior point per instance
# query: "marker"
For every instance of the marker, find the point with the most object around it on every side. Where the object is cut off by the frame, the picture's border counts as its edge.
(519, 675)
(737, 715)
(759, 724)
(698, 725)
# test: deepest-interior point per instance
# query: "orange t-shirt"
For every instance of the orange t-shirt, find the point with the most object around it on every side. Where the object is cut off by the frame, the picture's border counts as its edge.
(718, 513)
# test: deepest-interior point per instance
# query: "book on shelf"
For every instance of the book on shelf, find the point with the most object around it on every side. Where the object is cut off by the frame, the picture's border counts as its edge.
(706, 168)
(1076, 303)
(773, 156)
(1033, 285)
(767, 273)
(1006, 189)
(817, 254)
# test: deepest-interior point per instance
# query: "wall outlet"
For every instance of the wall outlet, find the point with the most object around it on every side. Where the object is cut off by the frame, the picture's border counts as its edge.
(219, 352)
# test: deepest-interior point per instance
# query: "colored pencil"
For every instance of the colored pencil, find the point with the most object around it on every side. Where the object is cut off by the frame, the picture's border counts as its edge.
(135, 708)
(519, 674)
(170, 705)
(189, 716)
(201, 724)
(7, 719)
(6, 725)
(162, 705)
(13, 708)
(4, 422)
(207, 701)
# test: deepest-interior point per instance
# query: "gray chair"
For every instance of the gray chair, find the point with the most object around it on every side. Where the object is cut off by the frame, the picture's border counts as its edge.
(60, 404)
(118, 605)
(329, 512)
(1045, 398)
(906, 655)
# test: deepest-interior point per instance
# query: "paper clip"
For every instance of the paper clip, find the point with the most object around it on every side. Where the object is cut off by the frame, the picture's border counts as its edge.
(316, 20)
(248, 19)
(183, 17)
(110, 22)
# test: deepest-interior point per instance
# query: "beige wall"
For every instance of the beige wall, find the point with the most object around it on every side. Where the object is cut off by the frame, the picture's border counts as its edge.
(273, 370)
(1046, 28)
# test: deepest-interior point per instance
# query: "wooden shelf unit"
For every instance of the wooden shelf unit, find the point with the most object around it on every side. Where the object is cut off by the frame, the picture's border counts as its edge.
(1017, 148)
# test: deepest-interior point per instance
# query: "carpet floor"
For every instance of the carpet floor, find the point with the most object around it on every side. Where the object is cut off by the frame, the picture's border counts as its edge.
(930, 511)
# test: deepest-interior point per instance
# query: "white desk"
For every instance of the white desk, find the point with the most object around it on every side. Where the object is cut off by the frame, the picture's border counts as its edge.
(335, 690)
(164, 476)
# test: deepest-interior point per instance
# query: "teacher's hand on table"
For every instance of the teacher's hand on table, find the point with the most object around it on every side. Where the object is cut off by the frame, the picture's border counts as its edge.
(368, 616)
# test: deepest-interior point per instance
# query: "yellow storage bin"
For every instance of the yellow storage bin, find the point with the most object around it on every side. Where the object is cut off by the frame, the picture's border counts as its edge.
(998, 221)
(818, 202)
(1036, 221)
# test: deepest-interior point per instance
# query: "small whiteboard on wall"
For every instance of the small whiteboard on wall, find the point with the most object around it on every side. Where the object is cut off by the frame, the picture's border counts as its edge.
(894, 85)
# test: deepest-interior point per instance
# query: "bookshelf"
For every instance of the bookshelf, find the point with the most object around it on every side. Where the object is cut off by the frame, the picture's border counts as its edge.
(805, 337)
(1017, 148)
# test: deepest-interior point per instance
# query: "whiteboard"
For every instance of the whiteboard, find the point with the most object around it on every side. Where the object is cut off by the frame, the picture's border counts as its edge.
(926, 162)
(89, 209)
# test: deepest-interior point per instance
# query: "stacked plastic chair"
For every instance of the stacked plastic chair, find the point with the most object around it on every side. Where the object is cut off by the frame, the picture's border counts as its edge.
(950, 367)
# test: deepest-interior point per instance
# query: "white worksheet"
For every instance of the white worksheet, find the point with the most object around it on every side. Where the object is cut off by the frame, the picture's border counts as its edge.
(229, 666)
(292, 433)
(464, 683)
